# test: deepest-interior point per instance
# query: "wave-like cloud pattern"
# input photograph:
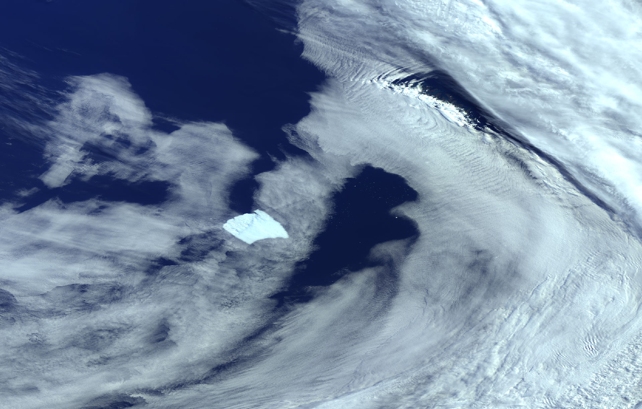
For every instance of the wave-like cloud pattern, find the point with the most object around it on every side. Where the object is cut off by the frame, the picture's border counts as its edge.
(509, 298)
(522, 288)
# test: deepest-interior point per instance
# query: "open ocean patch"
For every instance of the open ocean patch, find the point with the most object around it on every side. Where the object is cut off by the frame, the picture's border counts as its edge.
(320, 203)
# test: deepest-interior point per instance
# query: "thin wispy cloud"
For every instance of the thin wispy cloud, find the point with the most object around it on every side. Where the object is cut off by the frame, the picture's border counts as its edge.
(519, 288)
(509, 239)
(106, 291)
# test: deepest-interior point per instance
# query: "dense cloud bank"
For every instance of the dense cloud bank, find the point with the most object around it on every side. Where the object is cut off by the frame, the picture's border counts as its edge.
(525, 279)
(519, 285)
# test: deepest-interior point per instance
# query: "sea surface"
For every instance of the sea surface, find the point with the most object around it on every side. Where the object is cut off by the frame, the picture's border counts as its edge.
(459, 184)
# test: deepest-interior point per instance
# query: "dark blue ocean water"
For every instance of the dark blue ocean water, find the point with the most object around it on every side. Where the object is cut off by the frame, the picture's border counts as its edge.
(195, 60)
(198, 60)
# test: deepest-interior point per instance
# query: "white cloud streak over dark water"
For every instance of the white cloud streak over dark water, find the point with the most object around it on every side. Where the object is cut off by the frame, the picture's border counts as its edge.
(564, 75)
(87, 320)
(519, 292)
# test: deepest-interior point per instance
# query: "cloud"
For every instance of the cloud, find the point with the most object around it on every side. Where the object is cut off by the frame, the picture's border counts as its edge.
(106, 295)
(519, 290)
(516, 270)
(555, 72)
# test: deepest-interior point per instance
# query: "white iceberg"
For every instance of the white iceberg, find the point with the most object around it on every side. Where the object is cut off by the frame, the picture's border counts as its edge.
(251, 227)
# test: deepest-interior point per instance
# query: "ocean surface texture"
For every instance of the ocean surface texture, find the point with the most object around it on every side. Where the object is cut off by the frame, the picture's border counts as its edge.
(320, 204)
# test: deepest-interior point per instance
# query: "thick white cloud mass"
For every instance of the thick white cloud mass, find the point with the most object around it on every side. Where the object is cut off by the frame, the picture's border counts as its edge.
(565, 75)
(521, 291)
